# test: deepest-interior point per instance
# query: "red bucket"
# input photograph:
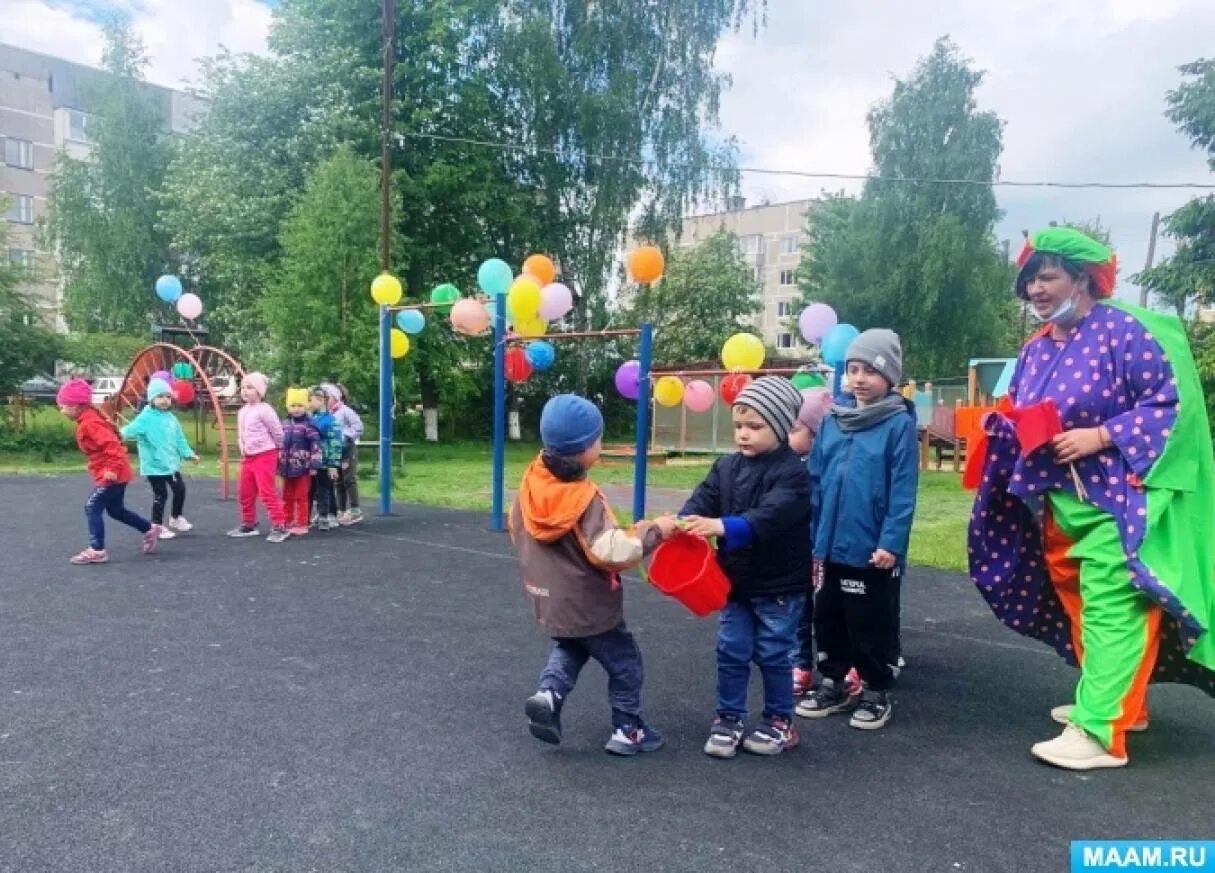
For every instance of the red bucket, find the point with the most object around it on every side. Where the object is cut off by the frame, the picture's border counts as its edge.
(684, 567)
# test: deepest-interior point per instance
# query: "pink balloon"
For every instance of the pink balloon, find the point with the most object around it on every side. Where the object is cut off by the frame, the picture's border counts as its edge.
(189, 306)
(469, 317)
(698, 396)
(815, 320)
(555, 301)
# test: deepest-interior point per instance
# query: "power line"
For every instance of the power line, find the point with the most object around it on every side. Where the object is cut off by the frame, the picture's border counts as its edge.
(851, 177)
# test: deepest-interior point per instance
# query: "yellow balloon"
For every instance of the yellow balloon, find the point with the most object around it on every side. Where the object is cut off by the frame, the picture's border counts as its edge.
(386, 289)
(523, 300)
(668, 391)
(532, 328)
(743, 351)
(399, 342)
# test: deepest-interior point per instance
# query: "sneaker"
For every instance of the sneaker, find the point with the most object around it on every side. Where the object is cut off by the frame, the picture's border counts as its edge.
(300, 530)
(245, 530)
(872, 711)
(543, 711)
(150, 539)
(344, 518)
(166, 534)
(853, 682)
(89, 556)
(333, 521)
(1062, 714)
(1074, 749)
(277, 534)
(826, 698)
(314, 518)
(777, 735)
(630, 741)
(354, 516)
(724, 737)
(803, 681)
(180, 524)
(323, 523)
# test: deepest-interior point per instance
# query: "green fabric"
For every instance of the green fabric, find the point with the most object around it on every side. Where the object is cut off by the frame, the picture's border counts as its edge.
(1179, 547)
(1071, 244)
(1114, 615)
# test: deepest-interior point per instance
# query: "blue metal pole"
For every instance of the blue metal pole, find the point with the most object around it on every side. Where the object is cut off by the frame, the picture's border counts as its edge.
(837, 382)
(497, 521)
(645, 358)
(385, 412)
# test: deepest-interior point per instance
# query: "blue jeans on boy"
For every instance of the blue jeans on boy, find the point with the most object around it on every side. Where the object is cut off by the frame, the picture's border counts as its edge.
(763, 630)
(108, 498)
(617, 652)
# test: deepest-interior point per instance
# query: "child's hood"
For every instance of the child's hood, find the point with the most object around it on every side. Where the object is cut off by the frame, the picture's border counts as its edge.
(550, 507)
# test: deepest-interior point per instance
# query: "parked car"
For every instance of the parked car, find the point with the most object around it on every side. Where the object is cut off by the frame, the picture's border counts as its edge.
(40, 389)
(104, 387)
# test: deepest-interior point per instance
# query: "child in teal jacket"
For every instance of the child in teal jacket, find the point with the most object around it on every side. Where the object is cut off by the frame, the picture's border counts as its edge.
(162, 447)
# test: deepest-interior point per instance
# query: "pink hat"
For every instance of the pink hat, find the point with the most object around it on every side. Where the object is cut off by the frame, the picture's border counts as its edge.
(75, 392)
(258, 382)
(815, 403)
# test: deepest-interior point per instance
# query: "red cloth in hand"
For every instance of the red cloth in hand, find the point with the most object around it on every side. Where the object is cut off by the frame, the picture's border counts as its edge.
(1036, 425)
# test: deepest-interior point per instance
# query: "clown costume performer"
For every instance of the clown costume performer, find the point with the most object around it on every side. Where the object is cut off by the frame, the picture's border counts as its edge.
(1092, 527)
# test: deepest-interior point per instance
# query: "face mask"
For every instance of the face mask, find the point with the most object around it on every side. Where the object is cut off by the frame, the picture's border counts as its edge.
(1064, 315)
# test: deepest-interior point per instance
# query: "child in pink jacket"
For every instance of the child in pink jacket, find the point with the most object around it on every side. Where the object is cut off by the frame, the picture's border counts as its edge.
(260, 435)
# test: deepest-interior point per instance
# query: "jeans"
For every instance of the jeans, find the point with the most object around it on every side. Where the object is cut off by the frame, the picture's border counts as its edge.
(856, 621)
(108, 498)
(160, 496)
(617, 652)
(763, 630)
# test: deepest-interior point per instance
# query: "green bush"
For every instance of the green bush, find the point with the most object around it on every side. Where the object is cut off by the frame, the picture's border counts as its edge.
(42, 441)
(1202, 341)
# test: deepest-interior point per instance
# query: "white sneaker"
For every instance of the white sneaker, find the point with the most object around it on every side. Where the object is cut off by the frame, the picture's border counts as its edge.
(1075, 750)
(180, 524)
(1062, 714)
(166, 534)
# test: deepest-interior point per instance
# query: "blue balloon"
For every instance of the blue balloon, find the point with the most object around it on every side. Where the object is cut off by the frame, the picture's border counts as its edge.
(836, 342)
(168, 288)
(411, 320)
(495, 277)
(541, 354)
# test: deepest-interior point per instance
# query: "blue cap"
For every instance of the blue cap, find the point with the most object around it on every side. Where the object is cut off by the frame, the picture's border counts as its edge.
(569, 424)
(158, 388)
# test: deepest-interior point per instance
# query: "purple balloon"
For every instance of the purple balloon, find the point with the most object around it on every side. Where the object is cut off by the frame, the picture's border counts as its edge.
(815, 320)
(164, 375)
(555, 301)
(628, 379)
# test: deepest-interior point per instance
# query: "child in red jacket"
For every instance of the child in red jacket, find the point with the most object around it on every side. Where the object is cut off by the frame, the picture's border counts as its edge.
(111, 471)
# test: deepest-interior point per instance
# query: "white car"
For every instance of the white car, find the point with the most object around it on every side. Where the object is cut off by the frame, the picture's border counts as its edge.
(104, 387)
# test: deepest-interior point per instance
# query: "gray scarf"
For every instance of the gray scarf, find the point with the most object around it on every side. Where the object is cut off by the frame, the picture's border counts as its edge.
(854, 418)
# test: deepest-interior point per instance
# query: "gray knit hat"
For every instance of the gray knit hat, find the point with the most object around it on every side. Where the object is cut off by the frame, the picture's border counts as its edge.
(879, 348)
(776, 400)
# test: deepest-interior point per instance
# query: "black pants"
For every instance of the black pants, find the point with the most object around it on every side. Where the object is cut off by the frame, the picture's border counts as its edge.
(160, 495)
(803, 650)
(348, 478)
(856, 623)
(323, 494)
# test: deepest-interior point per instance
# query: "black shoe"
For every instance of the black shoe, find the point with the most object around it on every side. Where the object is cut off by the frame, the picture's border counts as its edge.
(544, 716)
(873, 711)
(824, 699)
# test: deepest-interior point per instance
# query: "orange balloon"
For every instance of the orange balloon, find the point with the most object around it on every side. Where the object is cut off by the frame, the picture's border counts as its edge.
(542, 267)
(646, 265)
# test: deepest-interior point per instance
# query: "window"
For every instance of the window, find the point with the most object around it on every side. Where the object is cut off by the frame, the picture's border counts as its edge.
(19, 153)
(21, 258)
(786, 277)
(20, 209)
(78, 126)
(749, 244)
(788, 245)
(784, 341)
(784, 309)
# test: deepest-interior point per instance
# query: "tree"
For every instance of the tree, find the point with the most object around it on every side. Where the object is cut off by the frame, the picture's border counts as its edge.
(706, 295)
(920, 256)
(103, 221)
(27, 346)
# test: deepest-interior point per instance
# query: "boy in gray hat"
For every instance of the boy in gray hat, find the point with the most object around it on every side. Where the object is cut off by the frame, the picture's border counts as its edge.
(864, 470)
(757, 503)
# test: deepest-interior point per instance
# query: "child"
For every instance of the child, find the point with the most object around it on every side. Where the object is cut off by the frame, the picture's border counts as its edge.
(864, 469)
(570, 555)
(162, 447)
(757, 502)
(331, 460)
(298, 460)
(260, 435)
(348, 482)
(110, 469)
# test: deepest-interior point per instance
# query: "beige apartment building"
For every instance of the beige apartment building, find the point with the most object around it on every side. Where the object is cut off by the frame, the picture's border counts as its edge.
(45, 107)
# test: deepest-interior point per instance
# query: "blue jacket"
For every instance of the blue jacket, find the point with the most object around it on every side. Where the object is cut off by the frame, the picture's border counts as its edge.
(863, 489)
(331, 438)
(161, 442)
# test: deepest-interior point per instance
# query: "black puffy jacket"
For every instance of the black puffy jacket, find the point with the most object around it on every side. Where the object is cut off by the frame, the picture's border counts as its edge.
(772, 492)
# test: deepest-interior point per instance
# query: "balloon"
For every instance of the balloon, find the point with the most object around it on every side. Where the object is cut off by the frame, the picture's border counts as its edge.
(555, 301)
(469, 317)
(542, 267)
(494, 277)
(835, 343)
(532, 328)
(411, 320)
(386, 289)
(541, 354)
(183, 391)
(646, 264)
(182, 370)
(628, 379)
(168, 288)
(518, 368)
(805, 381)
(444, 295)
(815, 320)
(732, 386)
(698, 396)
(523, 301)
(164, 376)
(668, 391)
(399, 343)
(743, 351)
(189, 306)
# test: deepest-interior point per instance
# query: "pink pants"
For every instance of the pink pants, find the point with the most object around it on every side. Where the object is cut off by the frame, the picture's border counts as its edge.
(257, 480)
(295, 497)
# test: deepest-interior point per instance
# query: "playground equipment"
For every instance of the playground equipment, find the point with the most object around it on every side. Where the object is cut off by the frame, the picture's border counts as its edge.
(951, 427)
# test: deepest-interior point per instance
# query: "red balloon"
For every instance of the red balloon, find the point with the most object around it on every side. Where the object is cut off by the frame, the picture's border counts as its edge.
(518, 367)
(183, 391)
(731, 386)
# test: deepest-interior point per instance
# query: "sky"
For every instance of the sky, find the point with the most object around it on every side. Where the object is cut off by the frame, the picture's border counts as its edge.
(1080, 85)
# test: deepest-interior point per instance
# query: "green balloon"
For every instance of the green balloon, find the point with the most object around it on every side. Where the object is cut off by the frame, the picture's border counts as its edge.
(802, 381)
(445, 294)
(182, 370)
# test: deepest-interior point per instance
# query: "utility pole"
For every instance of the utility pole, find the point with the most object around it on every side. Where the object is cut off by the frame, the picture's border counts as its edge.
(1151, 257)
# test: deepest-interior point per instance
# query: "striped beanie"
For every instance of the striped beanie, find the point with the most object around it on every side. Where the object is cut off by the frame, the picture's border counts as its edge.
(776, 400)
